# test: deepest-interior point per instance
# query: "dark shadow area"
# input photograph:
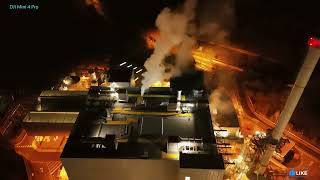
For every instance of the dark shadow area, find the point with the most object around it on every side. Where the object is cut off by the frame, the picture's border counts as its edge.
(12, 166)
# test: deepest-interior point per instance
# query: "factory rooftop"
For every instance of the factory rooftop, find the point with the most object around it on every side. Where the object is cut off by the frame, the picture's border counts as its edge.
(56, 93)
(62, 101)
(163, 124)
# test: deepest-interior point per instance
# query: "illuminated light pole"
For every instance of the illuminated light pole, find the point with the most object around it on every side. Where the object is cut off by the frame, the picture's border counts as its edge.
(123, 63)
(139, 71)
(303, 77)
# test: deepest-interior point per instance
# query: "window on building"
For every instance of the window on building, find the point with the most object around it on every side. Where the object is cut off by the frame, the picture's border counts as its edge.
(187, 178)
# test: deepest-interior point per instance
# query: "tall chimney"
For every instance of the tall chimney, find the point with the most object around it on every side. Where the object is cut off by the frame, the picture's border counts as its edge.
(303, 77)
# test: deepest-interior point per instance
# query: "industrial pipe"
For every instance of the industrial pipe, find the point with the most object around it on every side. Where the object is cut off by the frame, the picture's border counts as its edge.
(178, 109)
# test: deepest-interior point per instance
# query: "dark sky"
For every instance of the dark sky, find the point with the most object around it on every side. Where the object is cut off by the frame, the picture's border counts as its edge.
(39, 45)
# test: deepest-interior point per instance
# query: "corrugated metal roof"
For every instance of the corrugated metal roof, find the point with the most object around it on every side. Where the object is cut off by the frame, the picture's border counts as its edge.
(51, 117)
(197, 125)
(53, 93)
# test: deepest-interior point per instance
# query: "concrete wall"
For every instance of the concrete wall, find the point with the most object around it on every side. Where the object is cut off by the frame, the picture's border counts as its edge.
(48, 129)
(120, 169)
(133, 169)
(233, 131)
(200, 174)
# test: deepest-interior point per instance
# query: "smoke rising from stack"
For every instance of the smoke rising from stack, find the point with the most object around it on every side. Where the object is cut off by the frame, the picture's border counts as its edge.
(181, 29)
(173, 26)
(220, 102)
(216, 21)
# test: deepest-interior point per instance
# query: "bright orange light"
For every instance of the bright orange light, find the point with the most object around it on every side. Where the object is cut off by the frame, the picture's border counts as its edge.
(203, 58)
(161, 84)
(63, 174)
(204, 61)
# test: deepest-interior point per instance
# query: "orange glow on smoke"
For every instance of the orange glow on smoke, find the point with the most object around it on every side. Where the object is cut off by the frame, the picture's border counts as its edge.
(96, 4)
(203, 60)
(150, 38)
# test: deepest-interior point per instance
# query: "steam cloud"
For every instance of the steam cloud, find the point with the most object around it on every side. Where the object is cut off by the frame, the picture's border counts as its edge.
(216, 20)
(220, 102)
(174, 31)
(178, 29)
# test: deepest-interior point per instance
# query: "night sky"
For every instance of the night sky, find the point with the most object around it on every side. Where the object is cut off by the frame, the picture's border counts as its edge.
(48, 41)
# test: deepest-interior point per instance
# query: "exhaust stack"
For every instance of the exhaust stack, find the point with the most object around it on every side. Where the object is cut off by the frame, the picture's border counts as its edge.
(303, 77)
(178, 109)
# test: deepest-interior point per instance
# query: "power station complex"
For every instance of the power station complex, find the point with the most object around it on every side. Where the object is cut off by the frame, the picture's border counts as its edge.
(166, 134)
(118, 134)
(111, 131)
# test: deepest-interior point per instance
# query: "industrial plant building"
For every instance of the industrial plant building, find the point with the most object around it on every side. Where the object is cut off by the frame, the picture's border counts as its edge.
(165, 134)
(118, 134)
(55, 112)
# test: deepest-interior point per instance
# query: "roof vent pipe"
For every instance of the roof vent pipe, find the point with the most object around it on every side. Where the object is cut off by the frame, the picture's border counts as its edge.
(179, 101)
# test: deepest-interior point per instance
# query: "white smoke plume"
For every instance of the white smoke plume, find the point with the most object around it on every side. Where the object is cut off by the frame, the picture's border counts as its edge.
(216, 20)
(184, 56)
(219, 101)
(174, 28)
